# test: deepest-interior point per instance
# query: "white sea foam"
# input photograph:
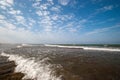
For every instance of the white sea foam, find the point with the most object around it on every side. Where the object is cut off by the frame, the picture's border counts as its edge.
(26, 45)
(32, 69)
(19, 46)
(23, 45)
(101, 49)
(87, 48)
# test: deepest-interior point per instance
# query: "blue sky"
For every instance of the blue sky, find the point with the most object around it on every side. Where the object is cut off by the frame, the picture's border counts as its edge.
(60, 21)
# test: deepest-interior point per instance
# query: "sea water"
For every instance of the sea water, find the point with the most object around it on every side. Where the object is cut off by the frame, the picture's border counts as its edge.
(60, 62)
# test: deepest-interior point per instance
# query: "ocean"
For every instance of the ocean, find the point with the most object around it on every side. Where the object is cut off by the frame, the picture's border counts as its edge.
(65, 62)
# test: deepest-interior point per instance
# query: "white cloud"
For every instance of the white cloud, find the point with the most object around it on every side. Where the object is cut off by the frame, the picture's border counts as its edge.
(2, 17)
(55, 17)
(7, 3)
(102, 22)
(42, 13)
(105, 8)
(14, 12)
(46, 23)
(50, 1)
(110, 7)
(56, 9)
(36, 4)
(43, 7)
(2, 7)
(31, 20)
(64, 2)
(82, 21)
(10, 1)
(7, 25)
(48, 28)
(63, 17)
(72, 29)
(39, 13)
(46, 13)
(38, 0)
(13, 15)
(19, 36)
(102, 30)
(96, 1)
(17, 26)
(11, 27)
(44, 19)
(20, 18)
(71, 26)
(100, 10)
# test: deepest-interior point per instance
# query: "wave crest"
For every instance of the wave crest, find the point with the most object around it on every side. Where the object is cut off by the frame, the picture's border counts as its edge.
(32, 69)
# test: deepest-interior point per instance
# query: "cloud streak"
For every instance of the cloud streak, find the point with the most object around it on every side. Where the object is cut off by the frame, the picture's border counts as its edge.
(101, 30)
(100, 10)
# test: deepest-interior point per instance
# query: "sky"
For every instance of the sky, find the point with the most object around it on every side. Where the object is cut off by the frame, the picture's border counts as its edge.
(60, 21)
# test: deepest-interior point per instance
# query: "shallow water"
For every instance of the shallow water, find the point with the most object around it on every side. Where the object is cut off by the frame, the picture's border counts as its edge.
(58, 63)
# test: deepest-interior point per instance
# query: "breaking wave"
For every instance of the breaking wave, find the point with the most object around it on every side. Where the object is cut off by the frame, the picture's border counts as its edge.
(23, 45)
(87, 48)
(36, 70)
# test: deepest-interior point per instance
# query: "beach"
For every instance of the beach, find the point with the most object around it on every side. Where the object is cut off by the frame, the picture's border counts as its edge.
(61, 63)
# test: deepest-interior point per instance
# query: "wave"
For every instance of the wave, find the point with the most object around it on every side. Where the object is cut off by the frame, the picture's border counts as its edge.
(87, 48)
(23, 45)
(32, 69)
